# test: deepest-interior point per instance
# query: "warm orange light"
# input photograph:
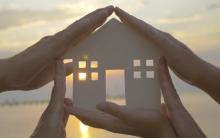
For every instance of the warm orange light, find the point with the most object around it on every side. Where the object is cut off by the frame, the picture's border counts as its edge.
(83, 129)
(94, 64)
(82, 76)
(94, 76)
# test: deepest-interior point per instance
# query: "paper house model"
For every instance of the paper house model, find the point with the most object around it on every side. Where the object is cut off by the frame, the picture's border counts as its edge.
(115, 46)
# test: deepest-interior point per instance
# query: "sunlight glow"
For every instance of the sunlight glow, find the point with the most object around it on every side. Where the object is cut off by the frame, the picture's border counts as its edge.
(84, 129)
(67, 61)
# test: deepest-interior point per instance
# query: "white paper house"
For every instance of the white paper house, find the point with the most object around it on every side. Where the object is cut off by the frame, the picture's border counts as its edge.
(115, 46)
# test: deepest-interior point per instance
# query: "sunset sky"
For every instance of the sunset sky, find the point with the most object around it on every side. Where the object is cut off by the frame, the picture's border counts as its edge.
(23, 22)
(194, 22)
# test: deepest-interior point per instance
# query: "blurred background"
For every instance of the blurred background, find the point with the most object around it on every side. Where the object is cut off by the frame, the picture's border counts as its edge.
(24, 22)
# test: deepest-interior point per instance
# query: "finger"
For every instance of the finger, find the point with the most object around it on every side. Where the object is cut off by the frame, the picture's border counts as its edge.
(170, 95)
(67, 103)
(164, 110)
(139, 25)
(58, 94)
(141, 119)
(101, 120)
(47, 75)
(182, 121)
(55, 110)
(163, 40)
(61, 41)
(50, 48)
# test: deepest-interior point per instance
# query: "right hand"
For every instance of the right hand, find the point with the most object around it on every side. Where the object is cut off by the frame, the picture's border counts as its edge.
(185, 64)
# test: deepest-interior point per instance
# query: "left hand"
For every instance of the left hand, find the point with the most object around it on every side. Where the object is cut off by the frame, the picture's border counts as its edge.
(34, 67)
(53, 121)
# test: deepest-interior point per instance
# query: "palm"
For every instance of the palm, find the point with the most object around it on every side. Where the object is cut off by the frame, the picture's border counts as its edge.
(123, 120)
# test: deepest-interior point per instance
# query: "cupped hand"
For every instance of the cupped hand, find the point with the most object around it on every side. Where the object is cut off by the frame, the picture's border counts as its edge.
(34, 67)
(185, 64)
(172, 121)
(124, 120)
(54, 119)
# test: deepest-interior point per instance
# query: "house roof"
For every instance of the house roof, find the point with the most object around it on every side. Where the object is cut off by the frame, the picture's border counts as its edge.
(113, 43)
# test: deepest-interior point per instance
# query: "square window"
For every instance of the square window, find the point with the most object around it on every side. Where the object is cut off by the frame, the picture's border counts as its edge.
(82, 64)
(94, 76)
(136, 63)
(150, 62)
(137, 74)
(150, 74)
(94, 64)
(82, 76)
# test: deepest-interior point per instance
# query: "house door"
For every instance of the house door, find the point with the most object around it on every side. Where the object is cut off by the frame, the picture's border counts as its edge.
(115, 86)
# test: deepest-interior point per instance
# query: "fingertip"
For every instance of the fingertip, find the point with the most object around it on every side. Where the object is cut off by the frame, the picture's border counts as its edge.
(109, 9)
(58, 63)
(108, 107)
(116, 9)
(59, 66)
(163, 65)
(71, 110)
(162, 60)
(68, 102)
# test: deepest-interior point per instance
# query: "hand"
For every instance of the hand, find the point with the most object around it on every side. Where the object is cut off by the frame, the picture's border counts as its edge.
(34, 67)
(53, 121)
(181, 120)
(173, 120)
(180, 58)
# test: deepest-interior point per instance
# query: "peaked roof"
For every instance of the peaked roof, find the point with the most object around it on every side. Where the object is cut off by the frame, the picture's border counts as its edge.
(113, 38)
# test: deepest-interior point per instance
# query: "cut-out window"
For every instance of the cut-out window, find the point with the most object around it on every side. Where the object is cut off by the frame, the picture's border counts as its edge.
(94, 76)
(136, 63)
(82, 76)
(137, 74)
(94, 64)
(115, 86)
(150, 62)
(82, 64)
(150, 74)
(67, 61)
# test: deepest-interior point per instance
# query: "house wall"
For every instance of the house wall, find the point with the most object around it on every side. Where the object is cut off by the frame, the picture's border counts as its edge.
(115, 46)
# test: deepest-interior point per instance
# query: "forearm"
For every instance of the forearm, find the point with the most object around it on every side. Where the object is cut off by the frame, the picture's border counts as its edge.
(209, 80)
(195, 71)
(4, 71)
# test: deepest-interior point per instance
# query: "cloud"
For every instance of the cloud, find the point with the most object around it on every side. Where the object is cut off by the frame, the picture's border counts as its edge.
(213, 6)
(12, 17)
(176, 20)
